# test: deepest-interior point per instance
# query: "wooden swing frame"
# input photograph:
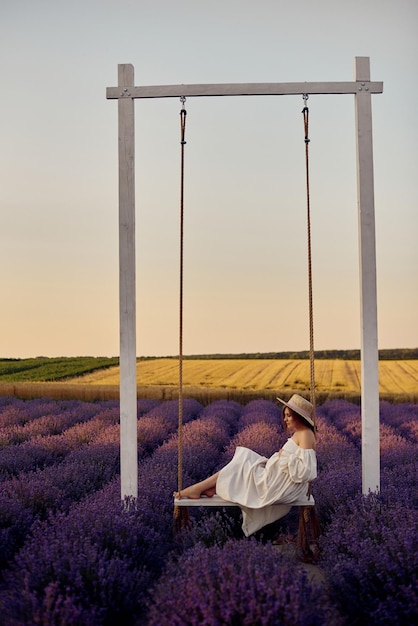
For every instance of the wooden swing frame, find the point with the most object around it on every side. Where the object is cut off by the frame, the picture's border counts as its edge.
(362, 88)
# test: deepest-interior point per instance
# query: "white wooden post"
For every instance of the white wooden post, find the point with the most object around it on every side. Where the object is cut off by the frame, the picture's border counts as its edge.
(370, 442)
(127, 289)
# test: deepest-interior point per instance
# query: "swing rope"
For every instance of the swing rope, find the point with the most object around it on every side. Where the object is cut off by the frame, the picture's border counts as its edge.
(181, 514)
(183, 114)
(305, 112)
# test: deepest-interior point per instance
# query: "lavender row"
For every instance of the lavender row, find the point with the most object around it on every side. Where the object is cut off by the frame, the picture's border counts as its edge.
(41, 451)
(204, 442)
(65, 431)
(346, 418)
(91, 464)
(157, 477)
(369, 544)
(240, 582)
(19, 423)
(116, 551)
(22, 420)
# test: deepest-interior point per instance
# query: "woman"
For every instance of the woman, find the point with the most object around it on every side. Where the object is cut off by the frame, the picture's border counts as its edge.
(265, 489)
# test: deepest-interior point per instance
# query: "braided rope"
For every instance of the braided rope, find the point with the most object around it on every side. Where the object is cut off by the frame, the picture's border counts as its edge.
(305, 112)
(183, 114)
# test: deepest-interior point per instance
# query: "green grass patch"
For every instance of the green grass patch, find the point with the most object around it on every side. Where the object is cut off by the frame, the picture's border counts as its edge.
(44, 369)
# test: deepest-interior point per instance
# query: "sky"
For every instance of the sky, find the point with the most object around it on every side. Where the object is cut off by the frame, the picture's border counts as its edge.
(245, 249)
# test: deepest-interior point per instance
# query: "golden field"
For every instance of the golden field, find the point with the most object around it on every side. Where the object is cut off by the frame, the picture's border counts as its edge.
(210, 379)
(331, 375)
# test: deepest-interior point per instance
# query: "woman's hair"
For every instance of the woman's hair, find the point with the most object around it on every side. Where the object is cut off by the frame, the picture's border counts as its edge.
(298, 417)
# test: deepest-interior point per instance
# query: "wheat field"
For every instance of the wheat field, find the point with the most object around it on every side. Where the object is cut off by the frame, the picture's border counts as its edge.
(331, 375)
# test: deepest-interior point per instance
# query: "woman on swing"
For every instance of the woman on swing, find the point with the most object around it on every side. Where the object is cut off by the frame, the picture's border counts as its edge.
(256, 483)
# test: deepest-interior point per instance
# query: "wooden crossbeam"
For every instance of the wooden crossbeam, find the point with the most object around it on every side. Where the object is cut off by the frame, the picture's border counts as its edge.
(243, 89)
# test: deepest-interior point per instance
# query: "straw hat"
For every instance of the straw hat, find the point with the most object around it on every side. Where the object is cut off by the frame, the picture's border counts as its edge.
(300, 406)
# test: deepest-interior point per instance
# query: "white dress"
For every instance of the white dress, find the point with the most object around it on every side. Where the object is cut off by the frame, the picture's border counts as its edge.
(257, 484)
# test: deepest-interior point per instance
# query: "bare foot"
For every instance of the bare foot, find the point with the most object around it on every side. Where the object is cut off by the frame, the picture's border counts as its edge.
(191, 492)
(209, 492)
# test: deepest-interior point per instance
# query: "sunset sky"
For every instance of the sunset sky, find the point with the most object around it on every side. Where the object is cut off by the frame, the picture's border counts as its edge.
(245, 200)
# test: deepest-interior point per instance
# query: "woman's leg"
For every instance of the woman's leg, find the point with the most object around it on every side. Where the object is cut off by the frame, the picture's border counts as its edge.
(206, 487)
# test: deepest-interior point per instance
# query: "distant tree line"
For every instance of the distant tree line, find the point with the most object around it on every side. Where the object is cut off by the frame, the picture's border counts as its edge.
(347, 355)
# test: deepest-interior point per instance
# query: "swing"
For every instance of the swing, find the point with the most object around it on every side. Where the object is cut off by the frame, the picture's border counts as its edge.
(307, 503)
(362, 88)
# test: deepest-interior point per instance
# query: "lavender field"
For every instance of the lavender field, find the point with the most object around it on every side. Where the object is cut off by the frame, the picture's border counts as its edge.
(72, 553)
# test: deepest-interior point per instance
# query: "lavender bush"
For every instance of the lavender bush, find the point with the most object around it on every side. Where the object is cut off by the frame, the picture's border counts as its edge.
(232, 584)
(169, 410)
(110, 582)
(20, 423)
(15, 522)
(339, 466)
(227, 410)
(50, 438)
(261, 411)
(213, 527)
(35, 494)
(98, 559)
(262, 437)
(88, 462)
(403, 417)
(370, 555)
(399, 484)
(145, 405)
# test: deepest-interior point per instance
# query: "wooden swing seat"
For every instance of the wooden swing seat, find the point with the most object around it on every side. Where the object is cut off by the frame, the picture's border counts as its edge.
(218, 501)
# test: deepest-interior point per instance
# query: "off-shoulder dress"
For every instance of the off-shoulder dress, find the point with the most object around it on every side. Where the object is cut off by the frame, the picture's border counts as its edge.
(264, 488)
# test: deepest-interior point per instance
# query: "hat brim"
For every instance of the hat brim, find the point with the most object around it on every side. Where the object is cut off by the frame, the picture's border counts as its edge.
(308, 420)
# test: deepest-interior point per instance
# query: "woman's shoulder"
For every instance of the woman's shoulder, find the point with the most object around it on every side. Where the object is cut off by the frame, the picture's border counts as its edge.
(305, 439)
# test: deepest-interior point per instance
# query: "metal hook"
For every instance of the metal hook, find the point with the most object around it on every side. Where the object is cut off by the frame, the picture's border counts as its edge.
(183, 114)
(305, 112)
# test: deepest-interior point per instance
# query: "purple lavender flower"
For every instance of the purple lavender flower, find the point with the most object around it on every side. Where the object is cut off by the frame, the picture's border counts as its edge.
(370, 556)
(98, 559)
(242, 582)
(262, 437)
